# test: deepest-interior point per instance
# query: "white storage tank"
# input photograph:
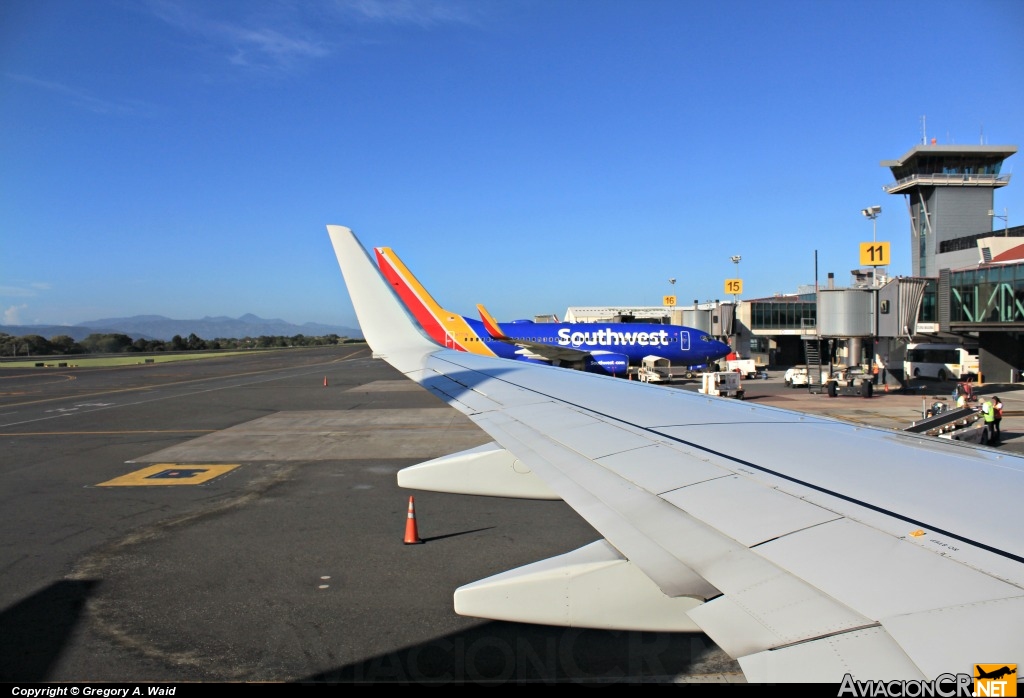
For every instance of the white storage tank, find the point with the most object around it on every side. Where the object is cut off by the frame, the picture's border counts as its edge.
(698, 319)
(846, 312)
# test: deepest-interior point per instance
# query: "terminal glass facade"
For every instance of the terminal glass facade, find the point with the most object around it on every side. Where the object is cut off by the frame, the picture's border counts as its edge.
(783, 313)
(929, 303)
(987, 295)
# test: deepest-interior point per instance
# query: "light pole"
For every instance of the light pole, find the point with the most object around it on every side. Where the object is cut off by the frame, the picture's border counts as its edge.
(1006, 221)
(872, 212)
(735, 260)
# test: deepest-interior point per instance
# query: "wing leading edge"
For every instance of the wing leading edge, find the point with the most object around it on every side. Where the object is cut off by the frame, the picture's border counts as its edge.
(805, 547)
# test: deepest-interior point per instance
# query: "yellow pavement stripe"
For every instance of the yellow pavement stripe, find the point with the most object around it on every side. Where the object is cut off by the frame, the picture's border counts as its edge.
(163, 474)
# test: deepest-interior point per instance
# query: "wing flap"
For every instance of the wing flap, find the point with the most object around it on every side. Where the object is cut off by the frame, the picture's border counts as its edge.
(985, 630)
(659, 468)
(772, 613)
(601, 499)
(903, 574)
(753, 513)
(865, 652)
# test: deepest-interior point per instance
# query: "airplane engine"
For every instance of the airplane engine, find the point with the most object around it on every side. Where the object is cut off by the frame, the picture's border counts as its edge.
(608, 363)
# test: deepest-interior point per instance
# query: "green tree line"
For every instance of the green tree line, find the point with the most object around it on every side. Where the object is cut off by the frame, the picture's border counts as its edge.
(35, 345)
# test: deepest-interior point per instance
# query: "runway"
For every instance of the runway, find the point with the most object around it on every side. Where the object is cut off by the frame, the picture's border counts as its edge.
(238, 520)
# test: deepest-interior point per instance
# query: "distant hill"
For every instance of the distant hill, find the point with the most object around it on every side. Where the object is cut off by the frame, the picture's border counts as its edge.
(163, 328)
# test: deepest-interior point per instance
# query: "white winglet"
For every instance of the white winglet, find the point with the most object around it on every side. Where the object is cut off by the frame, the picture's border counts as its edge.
(389, 330)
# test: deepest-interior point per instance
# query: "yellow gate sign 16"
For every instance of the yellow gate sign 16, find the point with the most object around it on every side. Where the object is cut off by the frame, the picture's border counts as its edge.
(668, 300)
(734, 286)
(874, 254)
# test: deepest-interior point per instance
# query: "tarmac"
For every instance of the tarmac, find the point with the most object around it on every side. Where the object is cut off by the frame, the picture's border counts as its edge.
(239, 520)
(898, 407)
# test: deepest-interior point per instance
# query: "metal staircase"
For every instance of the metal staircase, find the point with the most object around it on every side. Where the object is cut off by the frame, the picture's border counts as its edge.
(812, 356)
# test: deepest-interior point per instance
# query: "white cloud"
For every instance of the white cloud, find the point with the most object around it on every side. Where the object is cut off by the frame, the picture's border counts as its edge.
(22, 291)
(419, 12)
(12, 315)
(83, 99)
(272, 36)
(279, 35)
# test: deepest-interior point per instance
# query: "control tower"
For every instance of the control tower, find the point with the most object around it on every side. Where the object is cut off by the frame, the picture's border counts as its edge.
(950, 192)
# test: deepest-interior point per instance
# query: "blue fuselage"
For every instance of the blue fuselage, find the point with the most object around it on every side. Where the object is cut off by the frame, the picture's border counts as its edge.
(612, 345)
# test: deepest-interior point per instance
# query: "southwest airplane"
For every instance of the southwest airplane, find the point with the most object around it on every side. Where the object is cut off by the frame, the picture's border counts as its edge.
(808, 548)
(608, 348)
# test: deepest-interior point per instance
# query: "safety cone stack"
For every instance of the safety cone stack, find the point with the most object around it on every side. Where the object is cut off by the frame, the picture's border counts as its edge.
(412, 536)
(325, 381)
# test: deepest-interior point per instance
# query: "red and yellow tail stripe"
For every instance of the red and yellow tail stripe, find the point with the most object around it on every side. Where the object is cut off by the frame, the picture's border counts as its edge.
(446, 328)
(490, 324)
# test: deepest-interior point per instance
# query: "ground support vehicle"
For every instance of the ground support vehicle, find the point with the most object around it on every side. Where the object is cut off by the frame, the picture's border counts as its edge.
(849, 382)
(695, 371)
(722, 384)
(655, 369)
(796, 377)
(745, 367)
(950, 423)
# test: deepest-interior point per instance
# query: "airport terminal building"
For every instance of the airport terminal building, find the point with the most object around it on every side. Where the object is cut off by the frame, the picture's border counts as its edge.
(967, 285)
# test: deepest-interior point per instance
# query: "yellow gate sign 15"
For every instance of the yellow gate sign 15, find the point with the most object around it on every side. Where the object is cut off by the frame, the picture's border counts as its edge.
(734, 286)
(874, 254)
(668, 300)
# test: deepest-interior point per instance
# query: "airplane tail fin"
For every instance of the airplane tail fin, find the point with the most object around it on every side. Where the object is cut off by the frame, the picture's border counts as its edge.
(427, 311)
(490, 323)
(447, 328)
(386, 325)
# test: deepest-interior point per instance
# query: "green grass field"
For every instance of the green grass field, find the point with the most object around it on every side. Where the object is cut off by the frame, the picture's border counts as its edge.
(86, 361)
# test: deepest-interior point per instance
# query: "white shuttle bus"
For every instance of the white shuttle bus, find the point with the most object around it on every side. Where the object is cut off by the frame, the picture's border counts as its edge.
(941, 361)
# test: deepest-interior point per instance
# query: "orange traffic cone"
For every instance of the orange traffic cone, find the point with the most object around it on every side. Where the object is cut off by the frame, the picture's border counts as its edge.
(325, 381)
(411, 535)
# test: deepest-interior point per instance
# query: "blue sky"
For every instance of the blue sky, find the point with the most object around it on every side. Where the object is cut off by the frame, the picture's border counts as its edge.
(183, 158)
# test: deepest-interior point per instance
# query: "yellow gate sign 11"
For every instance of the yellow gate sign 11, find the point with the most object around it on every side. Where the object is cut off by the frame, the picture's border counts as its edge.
(874, 254)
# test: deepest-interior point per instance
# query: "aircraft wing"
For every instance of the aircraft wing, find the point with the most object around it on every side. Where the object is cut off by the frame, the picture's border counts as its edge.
(807, 548)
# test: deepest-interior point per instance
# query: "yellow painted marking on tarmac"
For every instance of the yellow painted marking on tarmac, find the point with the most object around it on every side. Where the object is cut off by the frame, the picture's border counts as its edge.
(162, 474)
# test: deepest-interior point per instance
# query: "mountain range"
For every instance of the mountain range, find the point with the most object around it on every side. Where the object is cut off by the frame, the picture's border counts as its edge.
(164, 328)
